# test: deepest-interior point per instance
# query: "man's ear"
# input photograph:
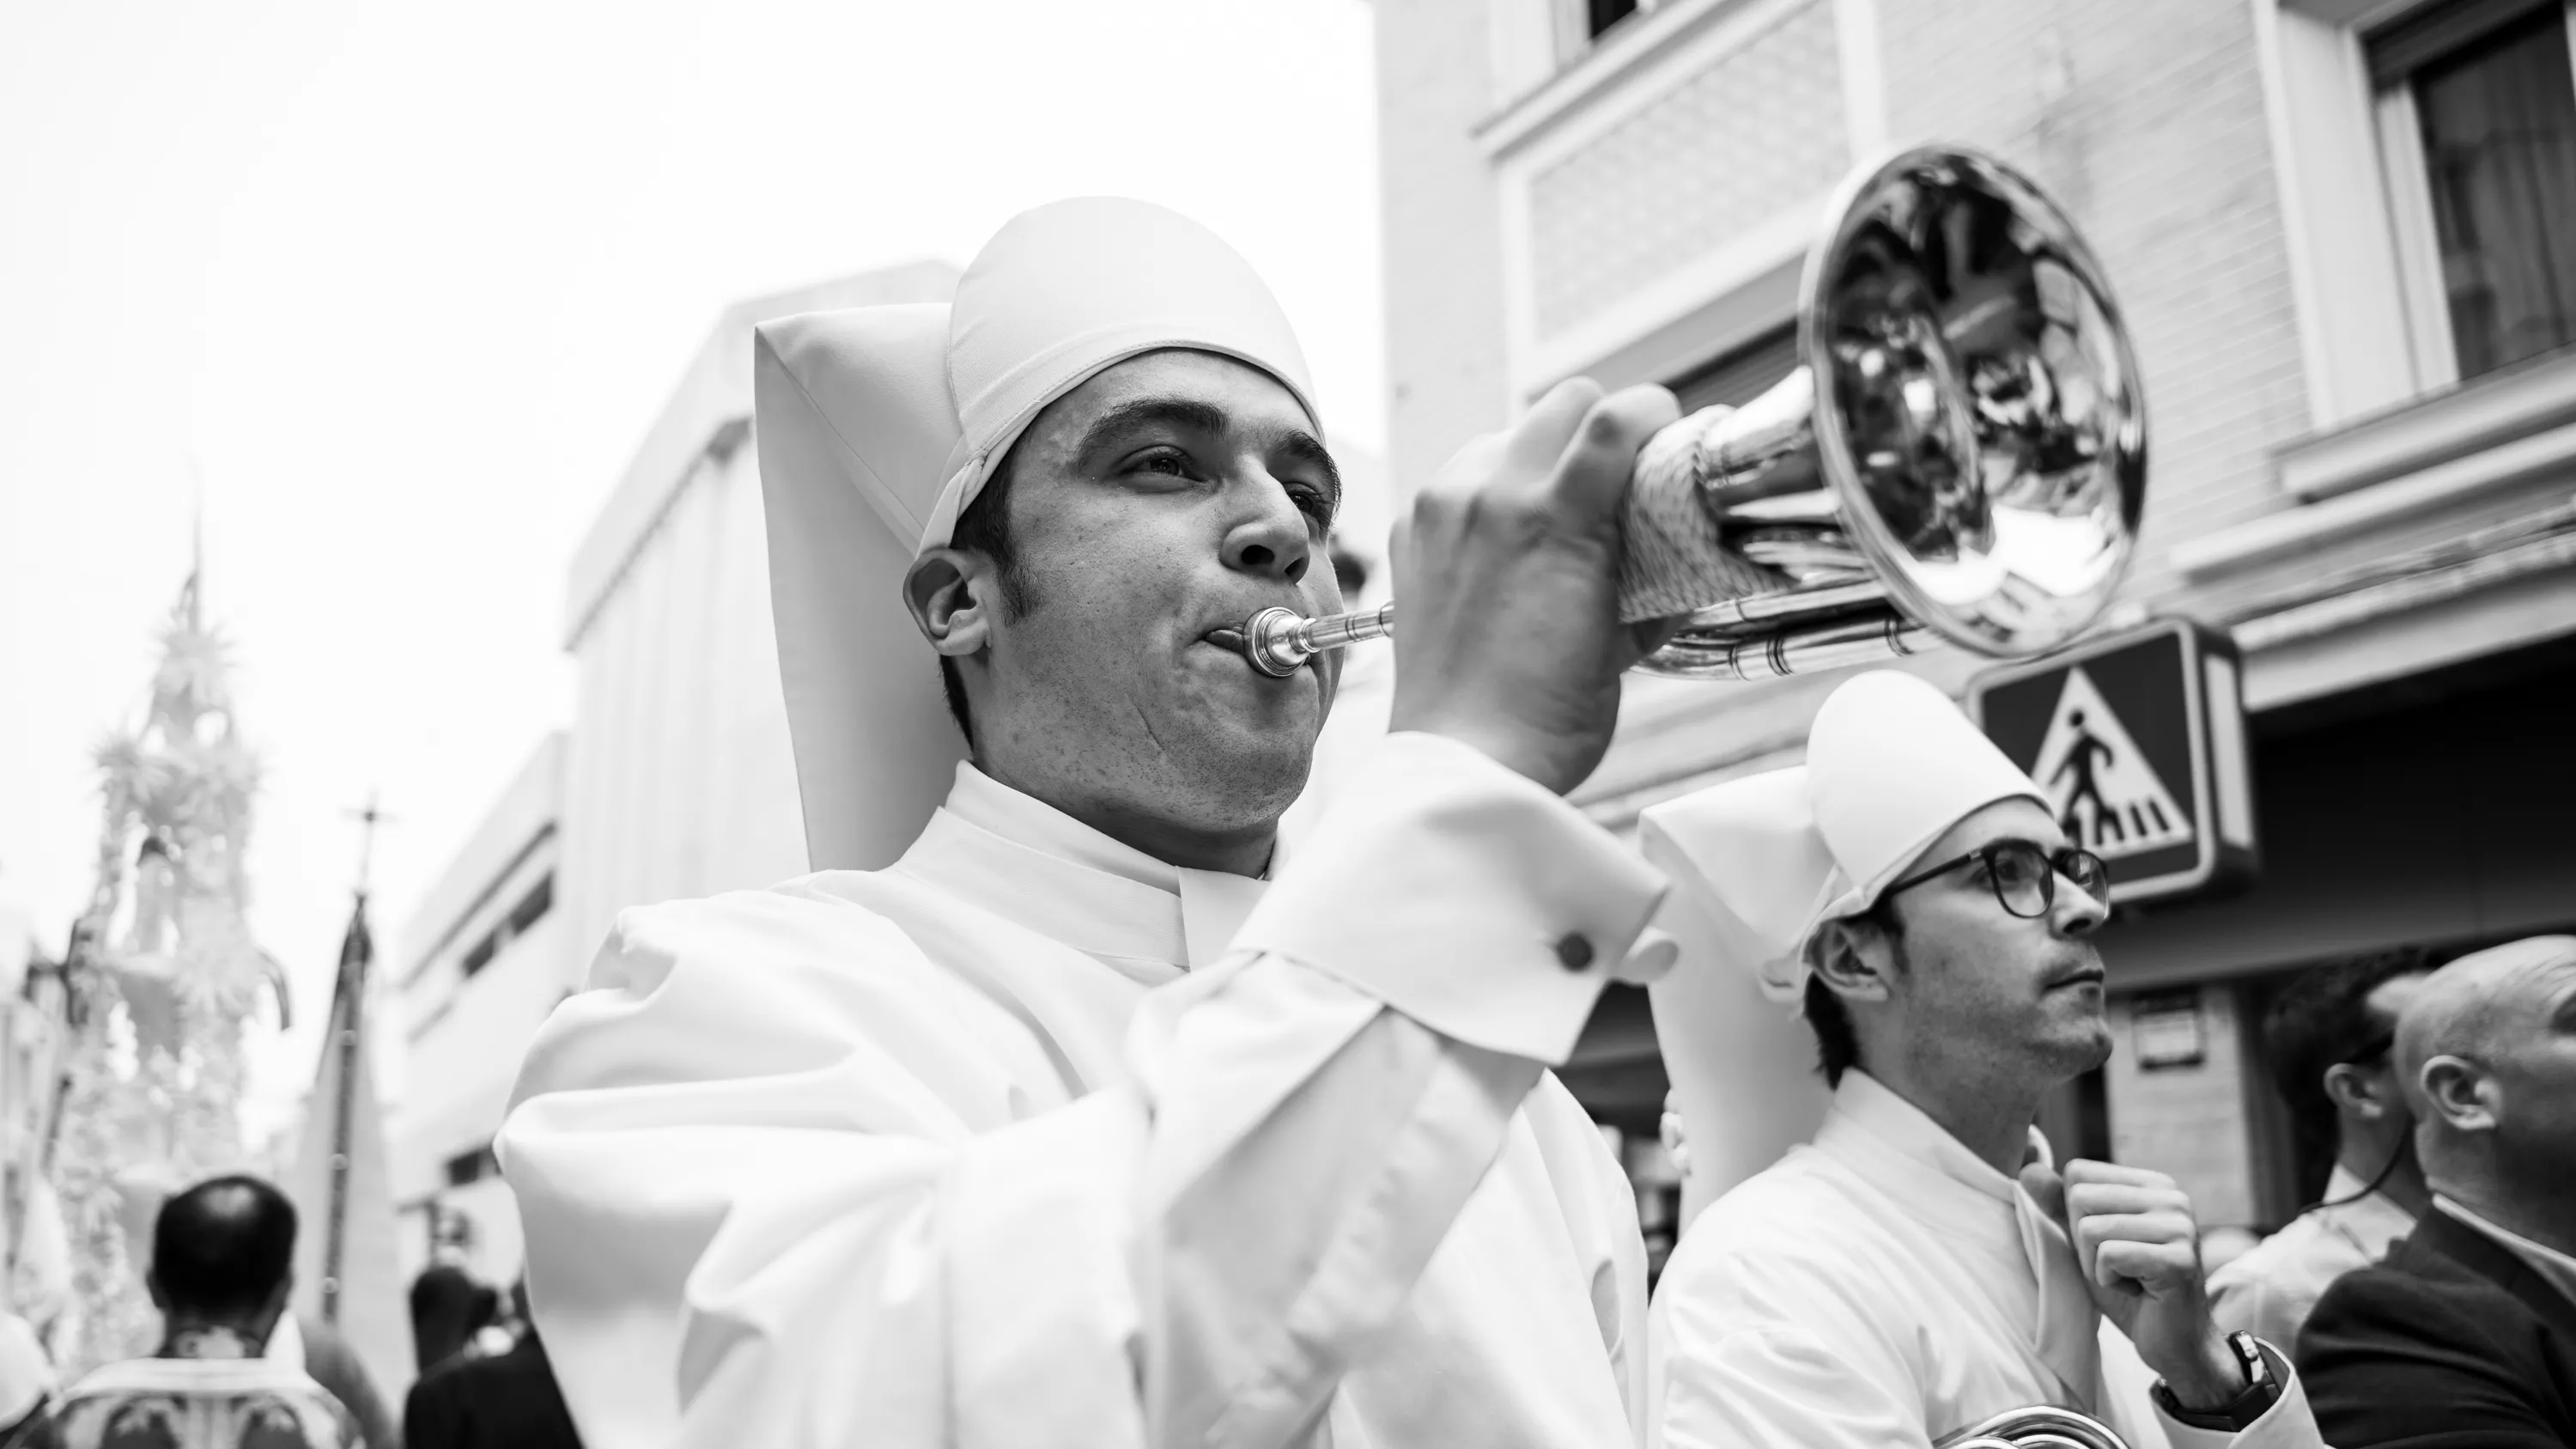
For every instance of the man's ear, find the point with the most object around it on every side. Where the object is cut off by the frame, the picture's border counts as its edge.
(947, 590)
(2460, 1093)
(1854, 959)
(2360, 1092)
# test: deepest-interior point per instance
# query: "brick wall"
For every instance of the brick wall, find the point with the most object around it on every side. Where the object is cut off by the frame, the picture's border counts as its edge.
(2147, 123)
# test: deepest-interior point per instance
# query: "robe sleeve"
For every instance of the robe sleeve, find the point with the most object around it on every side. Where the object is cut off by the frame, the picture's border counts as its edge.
(755, 1215)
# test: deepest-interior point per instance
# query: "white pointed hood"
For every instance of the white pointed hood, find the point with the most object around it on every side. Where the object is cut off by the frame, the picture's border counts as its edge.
(877, 426)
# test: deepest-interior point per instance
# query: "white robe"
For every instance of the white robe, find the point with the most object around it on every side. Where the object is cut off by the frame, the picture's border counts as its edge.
(966, 1152)
(1884, 1287)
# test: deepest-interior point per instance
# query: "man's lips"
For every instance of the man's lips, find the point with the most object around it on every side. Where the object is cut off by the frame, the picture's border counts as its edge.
(2081, 976)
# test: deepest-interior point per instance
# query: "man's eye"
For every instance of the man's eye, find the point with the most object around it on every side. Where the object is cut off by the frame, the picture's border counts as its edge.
(1170, 461)
(1313, 502)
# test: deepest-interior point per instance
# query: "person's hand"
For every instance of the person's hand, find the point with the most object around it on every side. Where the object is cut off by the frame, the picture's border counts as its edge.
(1508, 567)
(2139, 1247)
(1671, 1129)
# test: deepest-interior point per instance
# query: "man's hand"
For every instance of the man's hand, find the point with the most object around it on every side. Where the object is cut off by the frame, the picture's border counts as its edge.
(1508, 567)
(2139, 1247)
(1675, 1137)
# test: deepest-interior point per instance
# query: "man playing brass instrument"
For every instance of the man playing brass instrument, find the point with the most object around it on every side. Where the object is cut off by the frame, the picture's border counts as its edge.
(1921, 1267)
(1066, 1110)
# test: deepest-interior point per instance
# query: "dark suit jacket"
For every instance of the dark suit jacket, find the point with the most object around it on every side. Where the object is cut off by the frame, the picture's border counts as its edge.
(506, 1402)
(2451, 1343)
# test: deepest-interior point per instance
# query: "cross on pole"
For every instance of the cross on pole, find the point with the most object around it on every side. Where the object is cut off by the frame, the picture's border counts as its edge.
(368, 819)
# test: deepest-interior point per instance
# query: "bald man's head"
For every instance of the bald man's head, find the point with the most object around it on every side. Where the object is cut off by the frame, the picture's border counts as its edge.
(223, 1249)
(2488, 1052)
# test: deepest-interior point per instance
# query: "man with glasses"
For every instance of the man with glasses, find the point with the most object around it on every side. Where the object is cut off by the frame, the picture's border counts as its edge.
(1921, 1266)
(2328, 1038)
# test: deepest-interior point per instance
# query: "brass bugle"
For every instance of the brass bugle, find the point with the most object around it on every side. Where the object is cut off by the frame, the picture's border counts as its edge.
(2041, 1426)
(1959, 457)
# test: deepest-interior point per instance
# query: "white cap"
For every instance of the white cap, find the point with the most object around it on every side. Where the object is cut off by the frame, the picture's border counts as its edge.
(877, 426)
(1892, 764)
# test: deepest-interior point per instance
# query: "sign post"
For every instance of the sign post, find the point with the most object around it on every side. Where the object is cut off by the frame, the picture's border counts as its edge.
(2139, 740)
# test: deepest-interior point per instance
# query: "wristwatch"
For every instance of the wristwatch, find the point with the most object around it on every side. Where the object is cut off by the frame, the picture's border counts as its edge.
(2262, 1391)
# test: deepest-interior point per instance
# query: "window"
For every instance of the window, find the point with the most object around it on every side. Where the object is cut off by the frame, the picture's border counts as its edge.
(1740, 376)
(473, 1166)
(1600, 15)
(531, 909)
(2477, 125)
(533, 906)
(1579, 23)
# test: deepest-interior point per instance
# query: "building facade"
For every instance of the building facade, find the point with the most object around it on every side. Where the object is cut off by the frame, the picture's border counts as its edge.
(2337, 230)
(477, 968)
(674, 780)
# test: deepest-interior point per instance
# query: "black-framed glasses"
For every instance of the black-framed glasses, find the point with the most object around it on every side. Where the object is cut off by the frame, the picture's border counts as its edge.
(2024, 875)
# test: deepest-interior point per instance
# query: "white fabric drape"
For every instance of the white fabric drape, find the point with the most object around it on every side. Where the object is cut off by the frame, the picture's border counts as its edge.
(962, 1151)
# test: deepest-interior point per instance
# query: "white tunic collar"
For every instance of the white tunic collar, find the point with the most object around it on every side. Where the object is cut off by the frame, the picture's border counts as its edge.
(1891, 1142)
(1869, 1121)
(1034, 865)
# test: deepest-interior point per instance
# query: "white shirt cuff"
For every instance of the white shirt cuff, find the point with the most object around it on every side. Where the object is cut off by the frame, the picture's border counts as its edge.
(2288, 1424)
(1462, 894)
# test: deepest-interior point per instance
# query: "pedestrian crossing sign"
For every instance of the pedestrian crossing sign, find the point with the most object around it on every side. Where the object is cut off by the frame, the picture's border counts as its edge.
(2108, 795)
(2139, 741)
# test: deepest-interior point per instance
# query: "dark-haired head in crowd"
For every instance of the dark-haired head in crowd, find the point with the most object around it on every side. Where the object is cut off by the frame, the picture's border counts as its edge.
(223, 1265)
(2330, 1037)
(223, 1258)
(448, 1308)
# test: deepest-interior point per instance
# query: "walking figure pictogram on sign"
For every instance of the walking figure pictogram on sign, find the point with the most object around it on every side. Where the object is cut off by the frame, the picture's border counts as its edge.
(2081, 753)
(2107, 794)
(2137, 740)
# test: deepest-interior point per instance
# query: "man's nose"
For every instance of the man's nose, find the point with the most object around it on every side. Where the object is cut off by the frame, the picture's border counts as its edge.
(2078, 912)
(1268, 535)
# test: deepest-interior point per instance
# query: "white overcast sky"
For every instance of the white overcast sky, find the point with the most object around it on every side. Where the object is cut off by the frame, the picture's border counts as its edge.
(403, 286)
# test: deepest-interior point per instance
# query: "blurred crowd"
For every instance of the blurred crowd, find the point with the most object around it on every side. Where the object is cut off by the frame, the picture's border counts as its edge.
(235, 1366)
(2430, 1295)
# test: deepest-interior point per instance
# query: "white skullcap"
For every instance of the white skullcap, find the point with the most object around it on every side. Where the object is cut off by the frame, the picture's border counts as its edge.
(1068, 289)
(1891, 765)
(877, 426)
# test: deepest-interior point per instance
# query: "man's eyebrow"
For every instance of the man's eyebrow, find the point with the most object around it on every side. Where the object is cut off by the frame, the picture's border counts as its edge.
(1186, 414)
(1300, 446)
(1192, 415)
(2042, 846)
